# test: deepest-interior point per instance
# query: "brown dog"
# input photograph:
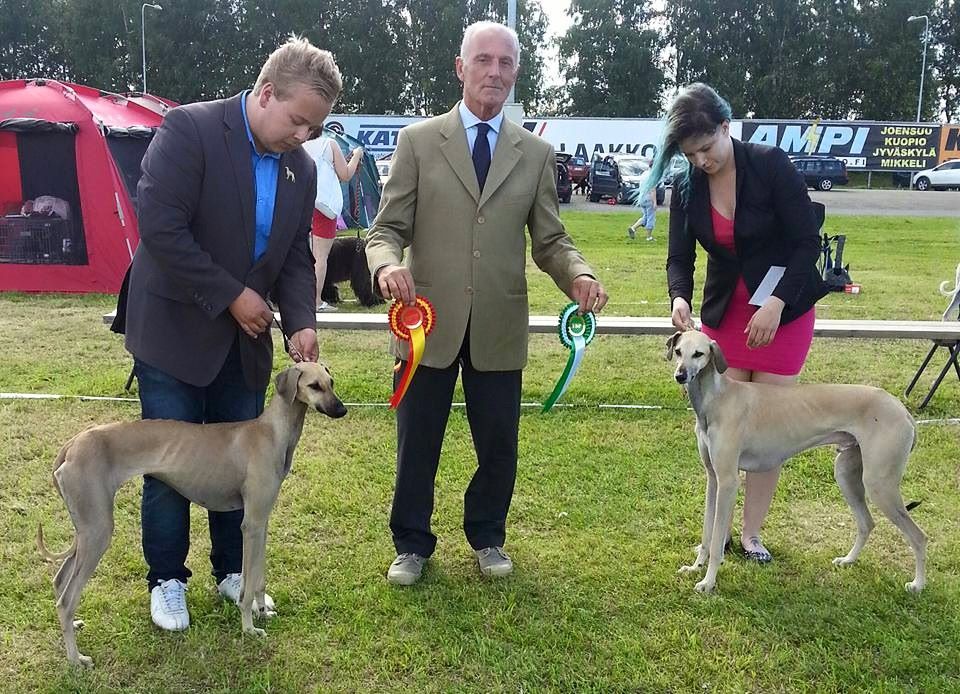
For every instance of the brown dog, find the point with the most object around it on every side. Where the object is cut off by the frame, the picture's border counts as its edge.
(245, 464)
(757, 426)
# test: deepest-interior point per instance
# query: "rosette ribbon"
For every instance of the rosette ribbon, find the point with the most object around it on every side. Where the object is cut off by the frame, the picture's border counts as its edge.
(576, 332)
(411, 324)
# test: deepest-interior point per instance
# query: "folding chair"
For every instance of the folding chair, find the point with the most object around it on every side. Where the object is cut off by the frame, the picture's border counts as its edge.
(952, 346)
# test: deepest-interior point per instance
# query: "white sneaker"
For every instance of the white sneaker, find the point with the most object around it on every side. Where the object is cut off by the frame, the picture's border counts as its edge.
(324, 307)
(229, 589)
(168, 605)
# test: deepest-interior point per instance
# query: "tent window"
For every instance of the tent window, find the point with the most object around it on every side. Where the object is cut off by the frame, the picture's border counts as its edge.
(128, 153)
(48, 167)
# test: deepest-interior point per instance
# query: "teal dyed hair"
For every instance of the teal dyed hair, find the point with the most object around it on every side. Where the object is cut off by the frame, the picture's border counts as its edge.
(697, 110)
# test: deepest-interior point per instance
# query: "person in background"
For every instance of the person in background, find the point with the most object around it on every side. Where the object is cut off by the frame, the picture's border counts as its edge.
(332, 169)
(647, 199)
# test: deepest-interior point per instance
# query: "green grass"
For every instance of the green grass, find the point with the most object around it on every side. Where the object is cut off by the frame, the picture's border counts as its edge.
(607, 506)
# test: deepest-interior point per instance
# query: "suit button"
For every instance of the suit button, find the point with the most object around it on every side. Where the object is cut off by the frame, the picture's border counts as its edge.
(208, 308)
(480, 220)
(476, 254)
(469, 290)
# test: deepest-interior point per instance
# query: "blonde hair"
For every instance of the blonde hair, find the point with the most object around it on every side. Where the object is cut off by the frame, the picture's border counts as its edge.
(300, 62)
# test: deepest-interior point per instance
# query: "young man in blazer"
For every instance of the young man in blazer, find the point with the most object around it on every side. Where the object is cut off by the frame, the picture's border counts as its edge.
(224, 208)
(462, 188)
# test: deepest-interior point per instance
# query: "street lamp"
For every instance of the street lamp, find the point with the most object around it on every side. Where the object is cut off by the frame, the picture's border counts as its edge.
(923, 68)
(143, 41)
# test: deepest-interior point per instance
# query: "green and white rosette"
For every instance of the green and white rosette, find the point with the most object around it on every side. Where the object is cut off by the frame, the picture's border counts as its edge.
(576, 332)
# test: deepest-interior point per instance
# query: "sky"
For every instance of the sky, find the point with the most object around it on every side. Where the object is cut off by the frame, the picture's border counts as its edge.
(559, 22)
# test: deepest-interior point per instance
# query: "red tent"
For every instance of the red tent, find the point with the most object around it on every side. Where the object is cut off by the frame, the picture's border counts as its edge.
(81, 146)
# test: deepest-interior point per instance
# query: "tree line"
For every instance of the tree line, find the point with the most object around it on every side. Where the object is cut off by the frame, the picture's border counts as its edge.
(769, 58)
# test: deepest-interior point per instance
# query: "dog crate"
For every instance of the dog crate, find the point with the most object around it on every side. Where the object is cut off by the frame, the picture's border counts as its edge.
(40, 241)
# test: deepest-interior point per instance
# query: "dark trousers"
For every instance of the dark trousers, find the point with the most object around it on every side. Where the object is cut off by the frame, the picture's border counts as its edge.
(165, 514)
(493, 411)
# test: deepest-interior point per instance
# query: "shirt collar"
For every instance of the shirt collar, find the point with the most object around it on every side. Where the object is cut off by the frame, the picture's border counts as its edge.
(469, 119)
(246, 123)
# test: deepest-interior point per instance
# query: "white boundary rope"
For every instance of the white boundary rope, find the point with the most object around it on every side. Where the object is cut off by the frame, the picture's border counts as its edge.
(601, 406)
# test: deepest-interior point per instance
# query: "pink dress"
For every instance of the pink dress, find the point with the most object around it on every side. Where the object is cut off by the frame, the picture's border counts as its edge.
(788, 351)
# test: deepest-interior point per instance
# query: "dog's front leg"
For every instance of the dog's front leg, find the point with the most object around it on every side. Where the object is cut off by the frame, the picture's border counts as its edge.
(725, 457)
(709, 506)
(251, 536)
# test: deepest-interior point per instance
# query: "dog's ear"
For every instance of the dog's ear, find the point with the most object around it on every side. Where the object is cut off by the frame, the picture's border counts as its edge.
(719, 361)
(287, 382)
(671, 343)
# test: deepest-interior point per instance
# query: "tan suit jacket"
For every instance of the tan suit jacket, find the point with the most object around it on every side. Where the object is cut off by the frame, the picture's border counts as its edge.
(467, 250)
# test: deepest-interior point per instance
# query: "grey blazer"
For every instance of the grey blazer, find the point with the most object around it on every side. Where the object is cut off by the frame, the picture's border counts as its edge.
(196, 215)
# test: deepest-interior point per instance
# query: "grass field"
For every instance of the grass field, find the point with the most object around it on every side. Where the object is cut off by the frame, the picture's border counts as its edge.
(607, 507)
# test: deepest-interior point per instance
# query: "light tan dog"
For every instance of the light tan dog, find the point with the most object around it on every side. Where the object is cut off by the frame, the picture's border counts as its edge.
(222, 467)
(756, 427)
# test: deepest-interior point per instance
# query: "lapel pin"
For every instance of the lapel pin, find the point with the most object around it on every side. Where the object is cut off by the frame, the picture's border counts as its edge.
(290, 176)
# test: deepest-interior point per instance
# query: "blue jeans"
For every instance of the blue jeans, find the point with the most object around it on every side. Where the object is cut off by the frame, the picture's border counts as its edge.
(165, 514)
(649, 214)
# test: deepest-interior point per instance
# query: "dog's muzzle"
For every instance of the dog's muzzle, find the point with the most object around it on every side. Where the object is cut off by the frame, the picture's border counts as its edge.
(681, 376)
(337, 411)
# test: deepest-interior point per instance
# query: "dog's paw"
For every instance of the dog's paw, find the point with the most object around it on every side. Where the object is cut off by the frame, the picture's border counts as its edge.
(83, 660)
(705, 586)
(843, 561)
(267, 613)
(254, 631)
(78, 624)
(689, 568)
(914, 587)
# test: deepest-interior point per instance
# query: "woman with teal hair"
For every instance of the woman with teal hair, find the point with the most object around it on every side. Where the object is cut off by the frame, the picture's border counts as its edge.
(747, 207)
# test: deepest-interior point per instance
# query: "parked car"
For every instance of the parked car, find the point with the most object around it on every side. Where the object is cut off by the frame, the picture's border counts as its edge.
(618, 177)
(942, 177)
(604, 179)
(677, 165)
(579, 169)
(631, 169)
(564, 184)
(821, 171)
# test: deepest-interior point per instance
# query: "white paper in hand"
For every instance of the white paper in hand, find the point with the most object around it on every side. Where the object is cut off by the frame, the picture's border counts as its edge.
(768, 284)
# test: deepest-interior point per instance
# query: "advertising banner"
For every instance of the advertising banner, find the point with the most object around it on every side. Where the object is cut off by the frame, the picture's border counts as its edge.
(863, 145)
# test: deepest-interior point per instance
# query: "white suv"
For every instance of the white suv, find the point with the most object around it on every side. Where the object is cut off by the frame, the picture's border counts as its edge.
(947, 175)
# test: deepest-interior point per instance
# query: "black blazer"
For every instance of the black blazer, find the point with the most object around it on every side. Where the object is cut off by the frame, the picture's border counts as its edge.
(196, 216)
(775, 224)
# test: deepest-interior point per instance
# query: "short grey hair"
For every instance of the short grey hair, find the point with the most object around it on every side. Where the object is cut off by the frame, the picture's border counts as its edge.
(483, 26)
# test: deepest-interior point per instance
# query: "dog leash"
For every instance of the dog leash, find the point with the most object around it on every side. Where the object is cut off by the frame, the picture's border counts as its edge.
(288, 346)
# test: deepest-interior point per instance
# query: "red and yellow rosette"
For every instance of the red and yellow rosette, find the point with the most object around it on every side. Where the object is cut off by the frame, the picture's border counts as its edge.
(411, 324)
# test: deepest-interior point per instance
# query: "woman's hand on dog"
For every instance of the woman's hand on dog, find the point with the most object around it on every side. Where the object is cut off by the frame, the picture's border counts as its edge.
(396, 282)
(680, 317)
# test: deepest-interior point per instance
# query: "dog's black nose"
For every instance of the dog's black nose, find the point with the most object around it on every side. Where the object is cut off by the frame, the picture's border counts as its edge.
(681, 377)
(337, 411)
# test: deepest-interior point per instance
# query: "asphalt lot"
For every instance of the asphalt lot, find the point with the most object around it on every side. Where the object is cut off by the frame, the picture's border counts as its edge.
(857, 201)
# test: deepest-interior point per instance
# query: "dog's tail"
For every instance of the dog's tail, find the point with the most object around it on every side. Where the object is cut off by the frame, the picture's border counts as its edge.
(46, 553)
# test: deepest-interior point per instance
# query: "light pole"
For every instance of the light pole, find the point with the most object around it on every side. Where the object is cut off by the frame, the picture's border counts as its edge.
(923, 68)
(143, 40)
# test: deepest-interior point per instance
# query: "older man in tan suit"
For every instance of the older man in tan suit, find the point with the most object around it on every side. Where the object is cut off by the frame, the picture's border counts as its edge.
(462, 188)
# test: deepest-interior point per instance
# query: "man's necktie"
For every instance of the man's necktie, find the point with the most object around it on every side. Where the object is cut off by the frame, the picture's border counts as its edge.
(481, 154)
